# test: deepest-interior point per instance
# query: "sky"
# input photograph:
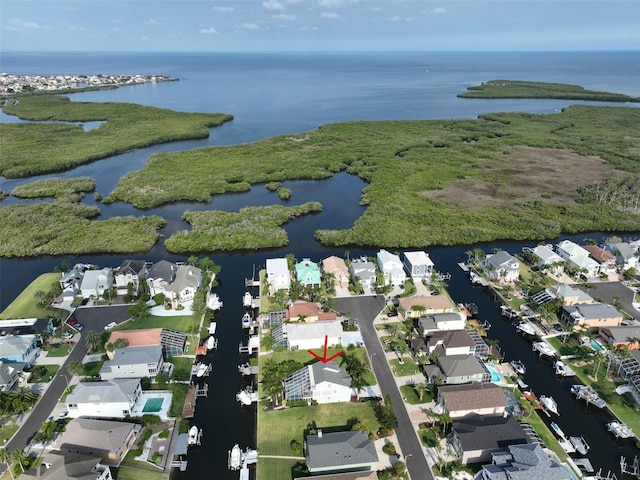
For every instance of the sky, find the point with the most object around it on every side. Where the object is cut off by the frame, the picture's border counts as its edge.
(318, 25)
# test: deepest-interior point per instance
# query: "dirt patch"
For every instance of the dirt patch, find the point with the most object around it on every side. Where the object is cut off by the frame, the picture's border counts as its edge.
(527, 174)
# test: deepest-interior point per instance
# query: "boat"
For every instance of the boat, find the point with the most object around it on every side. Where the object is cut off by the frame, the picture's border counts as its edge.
(549, 404)
(526, 327)
(212, 328)
(202, 369)
(518, 366)
(588, 394)
(214, 302)
(246, 320)
(566, 445)
(192, 439)
(561, 368)
(247, 300)
(544, 349)
(579, 443)
(473, 308)
(521, 384)
(211, 342)
(247, 396)
(558, 431)
(619, 429)
(235, 457)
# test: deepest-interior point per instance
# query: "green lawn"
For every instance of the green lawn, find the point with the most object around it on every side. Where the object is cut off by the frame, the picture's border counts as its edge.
(131, 469)
(411, 396)
(274, 468)
(182, 323)
(57, 350)
(182, 370)
(92, 369)
(46, 375)
(26, 305)
(409, 367)
(7, 430)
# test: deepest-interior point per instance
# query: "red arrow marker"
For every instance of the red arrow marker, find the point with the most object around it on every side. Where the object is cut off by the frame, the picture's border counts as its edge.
(324, 358)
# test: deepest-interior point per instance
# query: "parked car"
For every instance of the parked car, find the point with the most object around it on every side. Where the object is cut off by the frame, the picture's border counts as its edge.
(110, 325)
(67, 335)
(63, 415)
(78, 326)
(72, 321)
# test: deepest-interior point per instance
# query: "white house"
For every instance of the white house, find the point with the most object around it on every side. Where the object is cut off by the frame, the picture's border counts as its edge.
(320, 382)
(185, 284)
(305, 336)
(626, 257)
(95, 282)
(451, 342)
(130, 272)
(363, 271)
(391, 267)
(549, 260)
(278, 274)
(160, 275)
(578, 257)
(109, 399)
(133, 362)
(418, 265)
(442, 322)
(502, 267)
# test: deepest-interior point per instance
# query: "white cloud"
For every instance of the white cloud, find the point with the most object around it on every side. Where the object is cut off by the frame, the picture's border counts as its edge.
(439, 10)
(331, 16)
(294, 2)
(208, 31)
(20, 24)
(151, 21)
(395, 18)
(283, 16)
(331, 3)
(144, 38)
(250, 26)
(73, 28)
(223, 9)
(273, 6)
(308, 29)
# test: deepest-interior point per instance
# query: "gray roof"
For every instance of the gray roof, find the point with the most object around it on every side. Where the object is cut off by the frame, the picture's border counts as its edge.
(64, 466)
(8, 373)
(594, 310)
(340, 450)
(451, 339)
(164, 270)
(186, 276)
(329, 372)
(133, 267)
(501, 259)
(460, 365)
(99, 436)
(624, 249)
(135, 355)
(622, 334)
(488, 432)
(111, 391)
(525, 462)
(11, 346)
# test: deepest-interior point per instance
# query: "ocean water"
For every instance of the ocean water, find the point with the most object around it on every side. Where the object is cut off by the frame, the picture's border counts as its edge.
(272, 94)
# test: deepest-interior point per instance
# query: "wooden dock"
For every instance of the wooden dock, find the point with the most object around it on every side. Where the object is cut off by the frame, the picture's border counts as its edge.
(189, 408)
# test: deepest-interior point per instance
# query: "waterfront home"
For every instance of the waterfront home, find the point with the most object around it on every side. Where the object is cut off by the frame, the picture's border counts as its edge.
(480, 398)
(319, 382)
(129, 275)
(278, 275)
(628, 368)
(622, 337)
(185, 284)
(26, 326)
(548, 260)
(64, 465)
(626, 255)
(501, 267)
(108, 399)
(172, 341)
(307, 273)
(302, 311)
(338, 268)
(391, 268)
(306, 336)
(19, 349)
(523, 462)
(160, 275)
(476, 437)
(108, 440)
(9, 376)
(96, 282)
(457, 369)
(363, 271)
(591, 315)
(70, 281)
(133, 362)
(340, 452)
(569, 294)
(605, 258)
(418, 265)
(450, 342)
(578, 258)
(414, 307)
(436, 322)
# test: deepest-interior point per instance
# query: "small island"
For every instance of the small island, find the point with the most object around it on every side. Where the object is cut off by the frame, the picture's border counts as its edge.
(525, 89)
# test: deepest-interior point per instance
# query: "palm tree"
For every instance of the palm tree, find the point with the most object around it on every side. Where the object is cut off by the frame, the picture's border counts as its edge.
(18, 456)
(93, 340)
(5, 457)
(421, 389)
(75, 367)
(445, 419)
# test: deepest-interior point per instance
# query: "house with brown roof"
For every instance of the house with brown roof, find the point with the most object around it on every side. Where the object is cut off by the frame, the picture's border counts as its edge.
(602, 256)
(337, 267)
(479, 398)
(108, 440)
(308, 312)
(426, 305)
(622, 337)
(371, 475)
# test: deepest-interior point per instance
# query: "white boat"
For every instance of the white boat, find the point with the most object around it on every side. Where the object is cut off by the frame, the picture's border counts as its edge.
(518, 366)
(566, 445)
(247, 300)
(246, 320)
(579, 443)
(235, 457)
(211, 343)
(558, 430)
(192, 439)
(214, 302)
(549, 403)
(201, 370)
(212, 328)
(544, 348)
(619, 429)
(247, 396)
(521, 384)
(526, 327)
(561, 368)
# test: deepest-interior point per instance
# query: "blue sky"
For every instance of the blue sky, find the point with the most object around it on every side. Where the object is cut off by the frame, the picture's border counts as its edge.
(280, 25)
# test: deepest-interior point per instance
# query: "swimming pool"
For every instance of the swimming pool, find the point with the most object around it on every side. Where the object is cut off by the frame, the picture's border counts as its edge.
(153, 405)
(495, 376)
(596, 346)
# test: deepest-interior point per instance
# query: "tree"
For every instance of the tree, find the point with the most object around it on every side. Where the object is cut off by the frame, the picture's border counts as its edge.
(162, 378)
(267, 342)
(5, 457)
(356, 370)
(387, 417)
(18, 456)
(421, 389)
(75, 367)
(93, 340)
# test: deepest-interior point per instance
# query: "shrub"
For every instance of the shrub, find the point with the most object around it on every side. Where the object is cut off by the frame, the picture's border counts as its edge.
(164, 434)
(389, 448)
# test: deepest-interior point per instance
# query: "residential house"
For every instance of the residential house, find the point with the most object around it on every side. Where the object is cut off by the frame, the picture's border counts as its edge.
(130, 273)
(480, 398)
(9, 376)
(626, 255)
(605, 258)
(435, 322)
(109, 399)
(108, 440)
(26, 327)
(578, 258)
(278, 274)
(172, 341)
(160, 275)
(629, 368)
(96, 282)
(363, 271)
(319, 382)
(70, 281)
(524, 462)
(414, 307)
(501, 267)
(133, 362)
(591, 315)
(475, 437)
(391, 267)
(64, 465)
(450, 342)
(569, 294)
(338, 268)
(370, 475)
(184, 285)
(548, 259)
(306, 336)
(308, 273)
(418, 265)
(340, 452)
(308, 312)
(622, 337)
(19, 349)
(457, 369)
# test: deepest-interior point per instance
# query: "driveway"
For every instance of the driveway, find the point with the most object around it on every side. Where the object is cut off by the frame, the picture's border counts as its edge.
(365, 310)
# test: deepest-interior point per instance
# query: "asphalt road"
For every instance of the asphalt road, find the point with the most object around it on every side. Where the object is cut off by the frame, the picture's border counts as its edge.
(365, 309)
(605, 291)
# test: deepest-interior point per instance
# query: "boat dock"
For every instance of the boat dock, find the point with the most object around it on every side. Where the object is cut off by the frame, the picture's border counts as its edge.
(250, 282)
(246, 369)
(189, 408)
(478, 279)
(253, 345)
(463, 266)
(620, 430)
(589, 395)
(583, 464)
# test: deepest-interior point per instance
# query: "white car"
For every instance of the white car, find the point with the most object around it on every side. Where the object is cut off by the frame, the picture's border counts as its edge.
(63, 415)
(110, 325)
(67, 335)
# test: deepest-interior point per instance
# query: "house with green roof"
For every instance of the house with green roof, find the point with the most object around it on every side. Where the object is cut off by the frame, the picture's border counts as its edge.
(308, 273)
